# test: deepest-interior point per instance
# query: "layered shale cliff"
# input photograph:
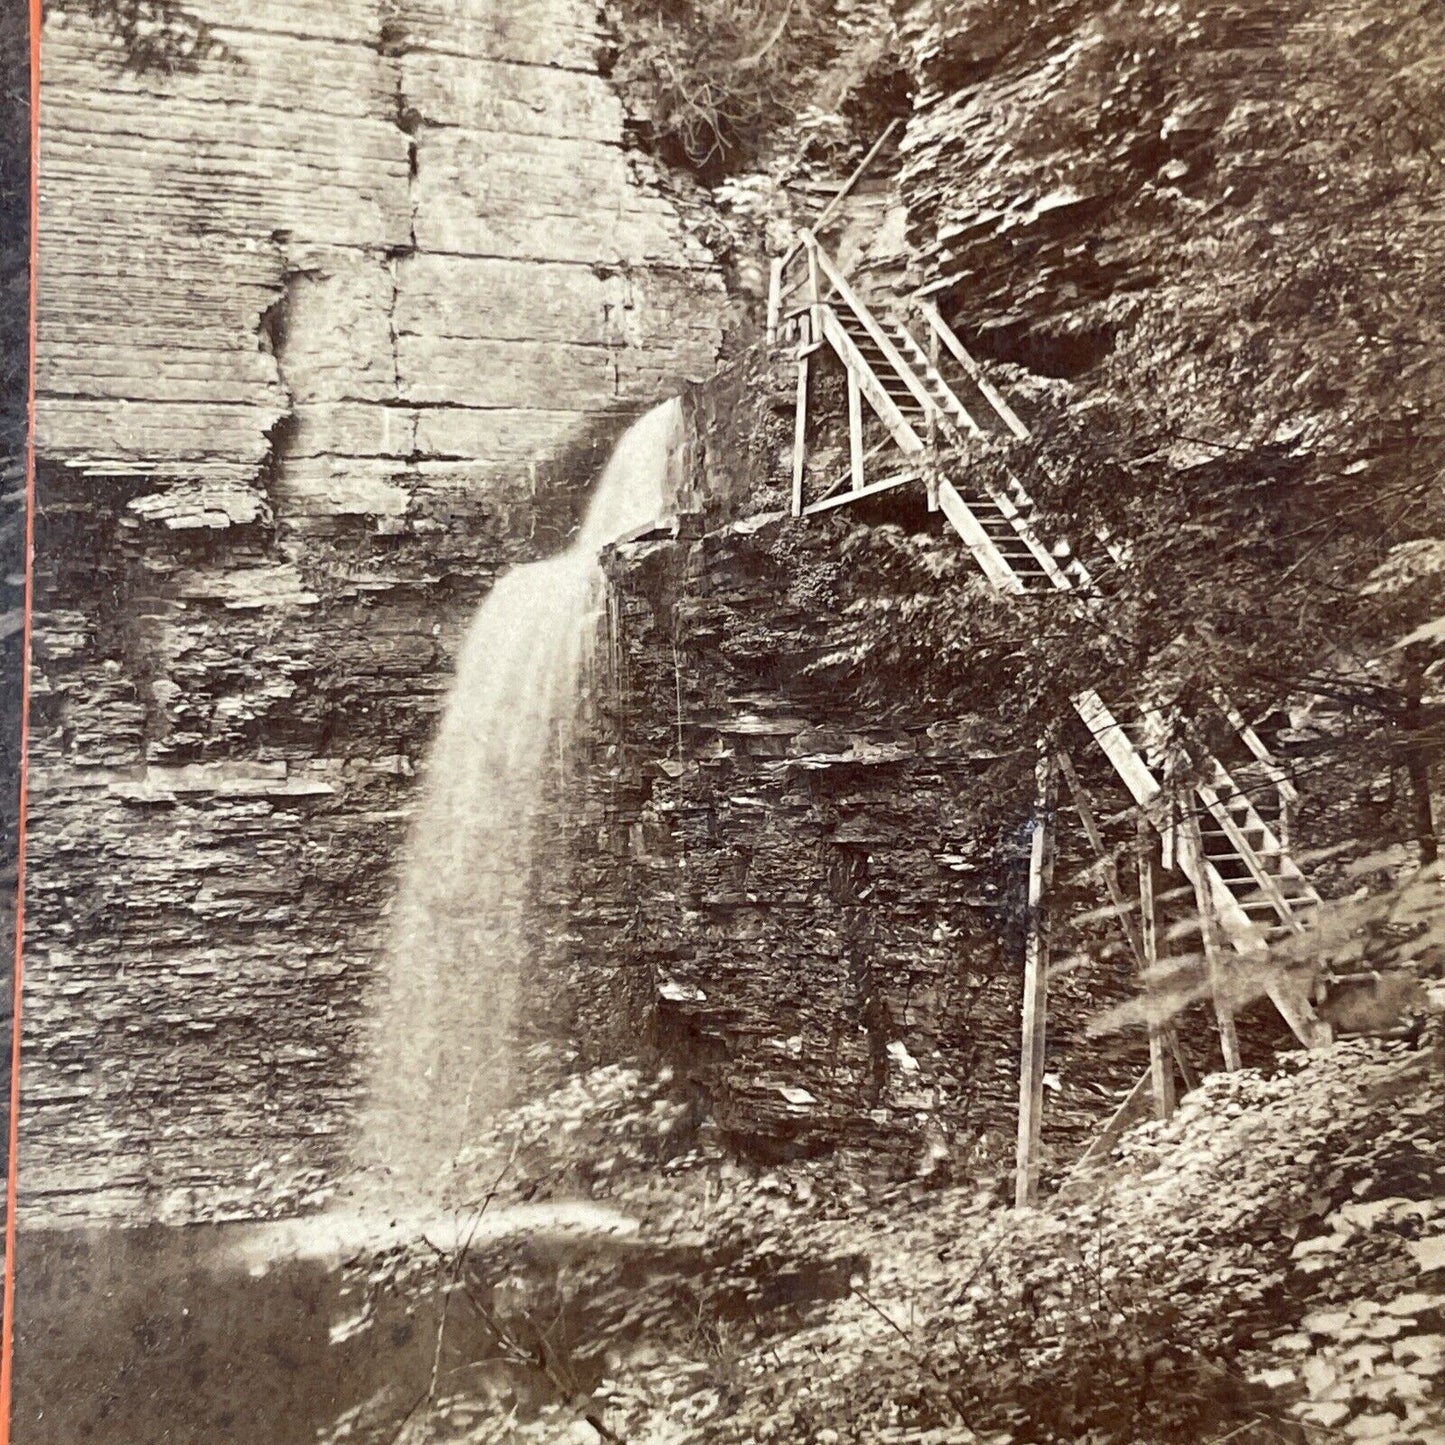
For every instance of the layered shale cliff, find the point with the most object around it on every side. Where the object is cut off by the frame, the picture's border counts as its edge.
(804, 894)
(339, 313)
(798, 857)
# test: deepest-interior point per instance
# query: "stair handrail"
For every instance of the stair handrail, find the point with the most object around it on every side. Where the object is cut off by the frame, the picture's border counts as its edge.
(1288, 794)
(904, 436)
(777, 286)
(822, 268)
(990, 393)
(1284, 786)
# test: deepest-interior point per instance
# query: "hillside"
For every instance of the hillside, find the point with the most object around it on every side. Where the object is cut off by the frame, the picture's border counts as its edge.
(791, 874)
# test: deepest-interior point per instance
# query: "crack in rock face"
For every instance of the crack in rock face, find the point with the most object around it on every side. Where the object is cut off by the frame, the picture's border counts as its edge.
(348, 364)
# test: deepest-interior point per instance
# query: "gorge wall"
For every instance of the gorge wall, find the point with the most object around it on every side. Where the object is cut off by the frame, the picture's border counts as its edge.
(798, 879)
(808, 900)
(339, 314)
(803, 912)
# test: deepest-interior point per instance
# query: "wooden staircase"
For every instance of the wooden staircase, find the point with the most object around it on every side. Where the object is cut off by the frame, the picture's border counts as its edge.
(1228, 840)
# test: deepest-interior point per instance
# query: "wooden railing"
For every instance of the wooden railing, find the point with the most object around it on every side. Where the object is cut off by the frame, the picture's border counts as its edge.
(787, 274)
(944, 333)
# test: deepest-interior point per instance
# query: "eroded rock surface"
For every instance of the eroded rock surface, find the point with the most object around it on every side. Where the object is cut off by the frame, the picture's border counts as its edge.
(335, 325)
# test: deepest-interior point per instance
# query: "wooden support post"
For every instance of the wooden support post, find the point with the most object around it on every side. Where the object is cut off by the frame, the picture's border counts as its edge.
(932, 440)
(1115, 888)
(1161, 1067)
(1123, 910)
(815, 294)
(858, 173)
(1191, 847)
(855, 430)
(1036, 992)
(775, 297)
(1186, 1069)
(1168, 825)
(800, 436)
(1129, 1113)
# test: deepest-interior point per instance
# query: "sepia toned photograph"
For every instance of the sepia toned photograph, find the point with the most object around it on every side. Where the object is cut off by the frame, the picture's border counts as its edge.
(722, 722)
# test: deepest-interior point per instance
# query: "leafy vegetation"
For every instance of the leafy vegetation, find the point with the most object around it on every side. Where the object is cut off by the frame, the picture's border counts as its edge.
(715, 82)
(161, 36)
(1198, 253)
(1265, 1266)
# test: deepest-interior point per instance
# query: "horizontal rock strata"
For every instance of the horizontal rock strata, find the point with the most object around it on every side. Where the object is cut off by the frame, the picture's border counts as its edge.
(336, 323)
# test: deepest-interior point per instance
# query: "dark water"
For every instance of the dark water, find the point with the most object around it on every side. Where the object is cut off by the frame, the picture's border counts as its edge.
(204, 1335)
(138, 1337)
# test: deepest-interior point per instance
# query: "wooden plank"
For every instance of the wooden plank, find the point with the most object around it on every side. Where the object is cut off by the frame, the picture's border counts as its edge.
(933, 430)
(800, 436)
(815, 294)
(1036, 992)
(1255, 744)
(1129, 1112)
(1297, 1011)
(1191, 851)
(991, 394)
(881, 339)
(887, 484)
(1122, 909)
(855, 430)
(1110, 736)
(775, 298)
(844, 477)
(1286, 821)
(1161, 1071)
(1239, 841)
(978, 542)
(859, 171)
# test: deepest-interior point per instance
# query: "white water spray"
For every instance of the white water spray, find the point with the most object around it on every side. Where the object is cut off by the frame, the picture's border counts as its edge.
(464, 934)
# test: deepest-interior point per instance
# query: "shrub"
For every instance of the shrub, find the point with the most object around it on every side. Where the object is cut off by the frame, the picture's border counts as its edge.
(711, 80)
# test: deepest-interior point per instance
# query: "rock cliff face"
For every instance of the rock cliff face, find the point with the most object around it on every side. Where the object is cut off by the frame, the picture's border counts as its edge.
(337, 320)
(14, 347)
(793, 888)
(803, 887)
(809, 903)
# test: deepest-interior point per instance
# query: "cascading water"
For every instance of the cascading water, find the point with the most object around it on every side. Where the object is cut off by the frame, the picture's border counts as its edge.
(463, 935)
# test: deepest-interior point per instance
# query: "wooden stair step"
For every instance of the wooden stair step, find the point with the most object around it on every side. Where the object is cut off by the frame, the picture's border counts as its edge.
(1232, 868)
(1256, 909)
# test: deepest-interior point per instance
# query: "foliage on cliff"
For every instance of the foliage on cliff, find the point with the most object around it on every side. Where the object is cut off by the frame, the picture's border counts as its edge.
(1268, 1267)
(1214, 231)
(1270, 1258)
(717, 84)
(1200, 252)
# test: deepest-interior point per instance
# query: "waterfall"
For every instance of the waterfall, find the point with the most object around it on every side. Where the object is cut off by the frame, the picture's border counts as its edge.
(463, 934)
